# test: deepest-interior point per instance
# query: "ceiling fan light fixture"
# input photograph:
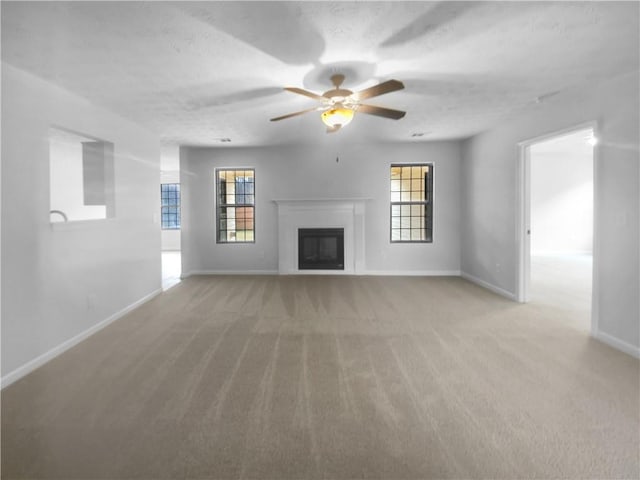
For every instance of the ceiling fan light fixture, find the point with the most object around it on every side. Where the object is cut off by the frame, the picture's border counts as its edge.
(338, 115)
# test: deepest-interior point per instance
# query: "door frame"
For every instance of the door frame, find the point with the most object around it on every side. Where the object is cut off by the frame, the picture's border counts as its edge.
(523, 221)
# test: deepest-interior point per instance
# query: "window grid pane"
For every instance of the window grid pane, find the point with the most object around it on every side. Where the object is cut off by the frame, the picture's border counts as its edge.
(411, 192)
(235, 205)
(170, 206)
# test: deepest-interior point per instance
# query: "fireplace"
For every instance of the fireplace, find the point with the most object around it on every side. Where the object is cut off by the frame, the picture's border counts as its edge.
(324, 213)
(321, 248)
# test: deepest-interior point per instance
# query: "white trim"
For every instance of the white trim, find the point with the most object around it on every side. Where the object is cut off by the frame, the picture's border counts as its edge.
(617, 343)
(390, 273)
(318, 272)
(562, 132)
(302, 201)
(414, 273)
(40, 360)
(595, 254)
(500, 291)
(523, 223)
(523, 216)
(228, 272)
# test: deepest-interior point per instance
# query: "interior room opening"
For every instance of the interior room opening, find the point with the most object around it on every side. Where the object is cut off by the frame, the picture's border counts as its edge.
(170, 197)
(561, 203)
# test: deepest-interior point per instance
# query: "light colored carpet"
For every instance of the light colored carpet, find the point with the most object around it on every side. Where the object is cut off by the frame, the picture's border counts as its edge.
(309, 377)
(564, 283)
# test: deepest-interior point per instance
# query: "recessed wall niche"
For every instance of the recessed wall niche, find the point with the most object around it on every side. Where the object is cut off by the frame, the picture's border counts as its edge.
(81, 177)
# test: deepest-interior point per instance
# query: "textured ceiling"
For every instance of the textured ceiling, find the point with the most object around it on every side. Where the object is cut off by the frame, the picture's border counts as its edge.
(199, 72)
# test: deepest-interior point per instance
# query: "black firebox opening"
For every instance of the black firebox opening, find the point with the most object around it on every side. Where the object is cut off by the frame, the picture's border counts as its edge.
(321, 248)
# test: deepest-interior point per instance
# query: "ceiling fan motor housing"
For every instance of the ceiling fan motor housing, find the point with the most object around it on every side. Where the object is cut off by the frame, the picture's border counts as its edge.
(337, 92)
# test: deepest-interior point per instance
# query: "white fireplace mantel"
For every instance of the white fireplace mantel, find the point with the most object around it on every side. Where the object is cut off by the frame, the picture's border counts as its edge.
(347, 213)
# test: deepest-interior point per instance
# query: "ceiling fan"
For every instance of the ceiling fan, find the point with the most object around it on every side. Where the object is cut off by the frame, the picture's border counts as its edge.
(339, 104)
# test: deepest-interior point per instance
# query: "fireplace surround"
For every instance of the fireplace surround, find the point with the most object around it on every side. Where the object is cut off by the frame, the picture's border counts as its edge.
(347, 214)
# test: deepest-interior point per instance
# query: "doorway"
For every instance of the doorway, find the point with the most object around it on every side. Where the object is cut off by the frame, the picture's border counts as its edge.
(557, 224)
(170, 212)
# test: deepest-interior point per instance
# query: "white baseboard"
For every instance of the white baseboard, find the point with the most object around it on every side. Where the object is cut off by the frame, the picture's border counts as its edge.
(398, 273)
(500, 291)
(31, 365)
(412, 273)
(617, 343)
(229, 272)
(317, 272)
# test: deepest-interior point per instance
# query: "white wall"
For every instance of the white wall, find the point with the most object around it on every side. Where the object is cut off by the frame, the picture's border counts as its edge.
(489, 200)
(60, 281)
(562, 196)
(170, 238)
(313, 173)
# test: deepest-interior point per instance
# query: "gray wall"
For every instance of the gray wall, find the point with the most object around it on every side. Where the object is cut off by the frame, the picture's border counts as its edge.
(313, 173)
(62, 281)
(489, 198)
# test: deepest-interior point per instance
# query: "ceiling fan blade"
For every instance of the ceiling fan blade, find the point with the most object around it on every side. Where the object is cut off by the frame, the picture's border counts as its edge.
(295, 114)
(381, 111)
(380, 89)
(306, 93)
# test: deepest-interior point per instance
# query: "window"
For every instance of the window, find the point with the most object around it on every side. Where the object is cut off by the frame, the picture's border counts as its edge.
(170, 206)
(236, 205)
(412, 203)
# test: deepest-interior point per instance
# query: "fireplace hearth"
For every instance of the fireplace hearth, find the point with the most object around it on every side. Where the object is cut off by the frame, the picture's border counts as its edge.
(321, 248)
